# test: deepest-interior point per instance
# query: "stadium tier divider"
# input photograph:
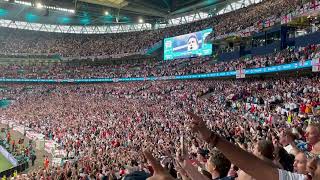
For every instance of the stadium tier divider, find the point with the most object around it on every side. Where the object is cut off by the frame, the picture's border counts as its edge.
(254, 71)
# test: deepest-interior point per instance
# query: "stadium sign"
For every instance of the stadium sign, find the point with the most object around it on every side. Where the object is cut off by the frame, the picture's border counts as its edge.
(279, 68)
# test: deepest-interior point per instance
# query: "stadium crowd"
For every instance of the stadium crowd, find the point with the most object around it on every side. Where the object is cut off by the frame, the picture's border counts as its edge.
(264, 129)
(14, 41)
(104, 128)
(159, 68)
(21, 152)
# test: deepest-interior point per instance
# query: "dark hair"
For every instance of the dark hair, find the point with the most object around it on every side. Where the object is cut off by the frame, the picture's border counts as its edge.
(266, 149)
(285, 159)
(138, 175)
(69, 174)
(193, 36)
(206, 173)
(203, 152)
(134, 163)
(221, 162)
(289, 133)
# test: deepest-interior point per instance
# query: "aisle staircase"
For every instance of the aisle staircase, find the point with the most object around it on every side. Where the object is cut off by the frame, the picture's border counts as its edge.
(4, 103)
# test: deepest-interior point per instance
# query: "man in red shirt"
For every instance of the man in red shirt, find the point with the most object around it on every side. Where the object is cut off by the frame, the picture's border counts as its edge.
(13, 145)
(46, 163)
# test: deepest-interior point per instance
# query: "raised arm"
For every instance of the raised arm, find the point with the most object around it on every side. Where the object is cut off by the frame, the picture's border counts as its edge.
(249, 163)
(159, 172)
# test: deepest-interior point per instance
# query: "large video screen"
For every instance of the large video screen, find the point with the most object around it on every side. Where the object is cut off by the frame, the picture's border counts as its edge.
(188, 45)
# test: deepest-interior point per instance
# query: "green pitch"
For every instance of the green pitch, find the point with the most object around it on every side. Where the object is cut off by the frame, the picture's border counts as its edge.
(4, 163)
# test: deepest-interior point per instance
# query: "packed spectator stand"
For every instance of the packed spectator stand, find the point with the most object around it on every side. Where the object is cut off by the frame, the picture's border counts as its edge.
(68, 45)
(262, 129)
(107, 127)
(159, 68)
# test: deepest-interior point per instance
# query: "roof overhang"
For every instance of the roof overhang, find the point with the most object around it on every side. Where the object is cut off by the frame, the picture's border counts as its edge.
(109, 3)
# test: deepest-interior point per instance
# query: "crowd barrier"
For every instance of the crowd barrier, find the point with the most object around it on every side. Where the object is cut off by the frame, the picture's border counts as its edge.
(8, 156)
(50, 146)
(253, 71)
(59, 155)
(17, 169)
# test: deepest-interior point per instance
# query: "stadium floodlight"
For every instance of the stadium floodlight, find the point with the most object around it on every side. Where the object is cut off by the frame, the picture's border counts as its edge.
(141, 20)
(106, 13)
(39, 5)
(23, 3)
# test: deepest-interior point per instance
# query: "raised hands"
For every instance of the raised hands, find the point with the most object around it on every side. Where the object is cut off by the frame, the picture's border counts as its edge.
(199, 126)
(159, 172)
(185, 167)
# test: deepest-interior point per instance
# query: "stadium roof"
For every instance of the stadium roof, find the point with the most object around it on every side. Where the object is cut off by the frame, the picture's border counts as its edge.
(109, 16)
(106, 11)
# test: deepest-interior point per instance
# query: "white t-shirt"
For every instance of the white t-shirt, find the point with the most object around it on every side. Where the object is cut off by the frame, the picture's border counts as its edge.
(286, 175)
(288, 148)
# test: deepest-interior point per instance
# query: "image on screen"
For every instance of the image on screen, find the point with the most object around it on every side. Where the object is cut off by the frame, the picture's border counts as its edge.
(188, 45)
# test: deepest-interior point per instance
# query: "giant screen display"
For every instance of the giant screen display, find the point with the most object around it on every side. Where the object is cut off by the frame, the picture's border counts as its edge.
(188, 45)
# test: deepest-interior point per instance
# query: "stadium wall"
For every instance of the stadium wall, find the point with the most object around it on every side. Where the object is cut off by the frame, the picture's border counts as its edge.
(303, 41)
(267, 49)
(229, 56)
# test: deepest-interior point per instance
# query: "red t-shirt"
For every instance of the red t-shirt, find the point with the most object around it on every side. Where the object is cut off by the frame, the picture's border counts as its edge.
(303, 108)
(46, 163)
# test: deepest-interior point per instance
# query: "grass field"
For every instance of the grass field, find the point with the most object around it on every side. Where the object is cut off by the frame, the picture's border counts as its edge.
(4, 163)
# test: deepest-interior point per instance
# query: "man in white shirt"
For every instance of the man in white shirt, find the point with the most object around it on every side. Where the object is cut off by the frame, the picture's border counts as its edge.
(286, 175)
